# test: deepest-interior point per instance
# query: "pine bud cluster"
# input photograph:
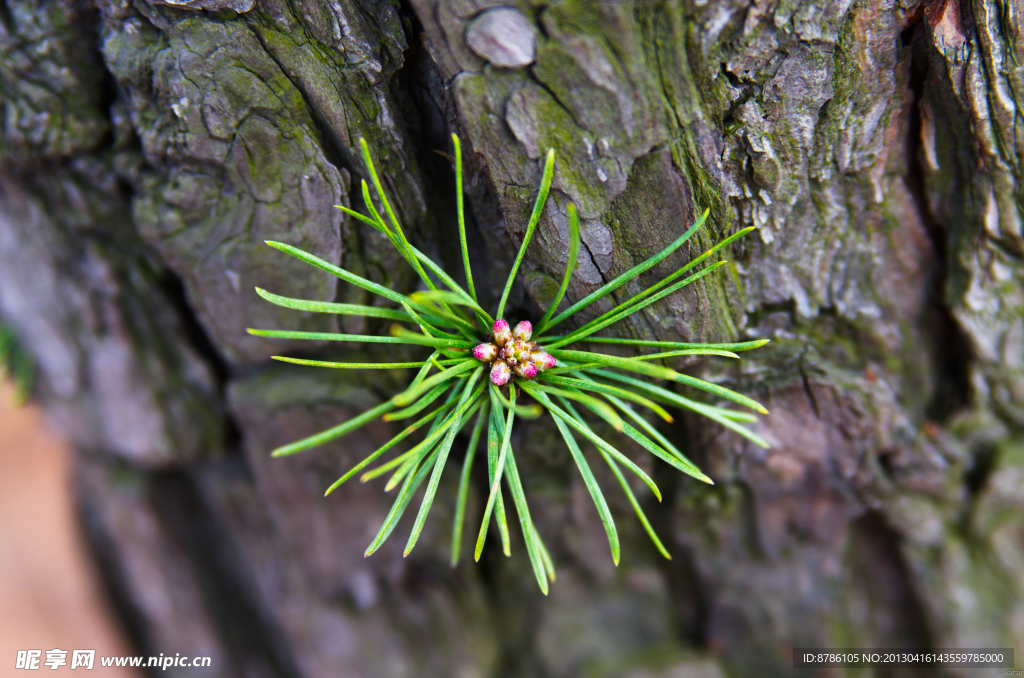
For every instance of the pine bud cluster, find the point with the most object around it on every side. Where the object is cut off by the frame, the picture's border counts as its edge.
(512, 353)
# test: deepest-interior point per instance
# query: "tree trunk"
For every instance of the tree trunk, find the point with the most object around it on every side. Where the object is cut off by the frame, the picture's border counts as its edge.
(149, 148)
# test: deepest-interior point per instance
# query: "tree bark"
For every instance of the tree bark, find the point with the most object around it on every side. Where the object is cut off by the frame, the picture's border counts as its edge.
(149, 147)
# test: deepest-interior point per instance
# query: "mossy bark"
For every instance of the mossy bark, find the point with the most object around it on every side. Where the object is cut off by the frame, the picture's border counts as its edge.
(149, 148)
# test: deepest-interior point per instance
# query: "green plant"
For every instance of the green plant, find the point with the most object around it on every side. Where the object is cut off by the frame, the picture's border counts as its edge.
(469, 343)
(17, 363)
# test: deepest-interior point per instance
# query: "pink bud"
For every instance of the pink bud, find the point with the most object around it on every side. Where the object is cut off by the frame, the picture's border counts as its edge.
(501, 332)
(523, 331)
(543, 360)
(500, 374)
(525, 370)
(485, 352)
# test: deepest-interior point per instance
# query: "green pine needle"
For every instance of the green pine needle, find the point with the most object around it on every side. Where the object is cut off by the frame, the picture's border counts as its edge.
(495, 432)
(570, 268)
(538, 207)
(592, 487)
(345, 366)
(506, 443)
(463, 494)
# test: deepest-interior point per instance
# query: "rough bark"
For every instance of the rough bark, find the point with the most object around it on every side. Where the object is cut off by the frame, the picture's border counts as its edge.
(149, 147)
